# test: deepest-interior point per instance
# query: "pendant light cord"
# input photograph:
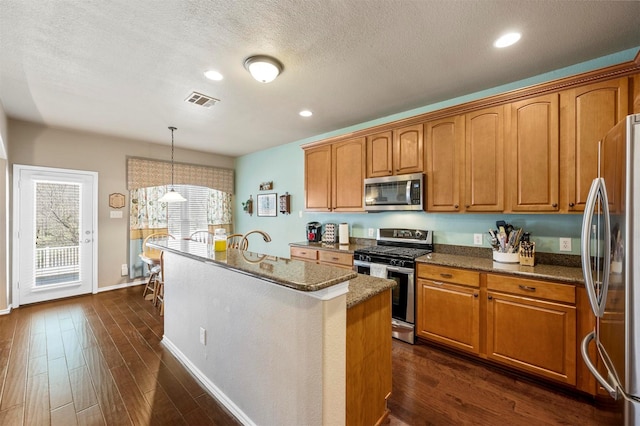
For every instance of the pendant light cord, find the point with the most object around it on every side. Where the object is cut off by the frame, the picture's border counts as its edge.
(172, 129)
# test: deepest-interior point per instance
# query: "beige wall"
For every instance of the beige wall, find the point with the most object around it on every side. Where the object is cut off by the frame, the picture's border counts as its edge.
(35, 145)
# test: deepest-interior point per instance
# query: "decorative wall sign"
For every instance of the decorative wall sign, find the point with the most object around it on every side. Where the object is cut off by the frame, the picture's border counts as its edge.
(267, 205)
(116, 200)
(266, 186)
(285, 203)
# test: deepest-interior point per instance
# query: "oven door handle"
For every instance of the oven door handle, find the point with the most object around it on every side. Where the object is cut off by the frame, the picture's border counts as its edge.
(400, 270)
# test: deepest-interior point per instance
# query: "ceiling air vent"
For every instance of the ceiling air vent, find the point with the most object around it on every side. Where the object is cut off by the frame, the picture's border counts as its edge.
(202, 100)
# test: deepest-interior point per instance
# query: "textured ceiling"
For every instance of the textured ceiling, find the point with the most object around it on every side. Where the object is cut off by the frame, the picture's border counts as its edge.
(124, 67)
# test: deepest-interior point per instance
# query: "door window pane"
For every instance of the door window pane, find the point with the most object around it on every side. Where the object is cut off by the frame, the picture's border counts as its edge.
(57, 236)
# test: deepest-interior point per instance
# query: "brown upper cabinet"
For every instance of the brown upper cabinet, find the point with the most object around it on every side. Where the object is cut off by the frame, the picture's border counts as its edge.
(532, 150)
(317, 178)
(532, 164)
(484, 160)
(380, 154)
(395, 152)
(444, 161)
(334, 176)
(587, 113)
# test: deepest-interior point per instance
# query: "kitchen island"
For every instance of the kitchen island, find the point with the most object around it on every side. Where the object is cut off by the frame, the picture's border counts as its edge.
(272, 338)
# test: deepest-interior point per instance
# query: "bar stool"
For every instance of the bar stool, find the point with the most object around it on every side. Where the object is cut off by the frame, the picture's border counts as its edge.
(151, 257)
(236, 241)
(159, 293)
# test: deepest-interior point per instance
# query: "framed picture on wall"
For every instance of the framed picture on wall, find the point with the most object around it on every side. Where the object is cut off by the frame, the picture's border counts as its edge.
(267, 205)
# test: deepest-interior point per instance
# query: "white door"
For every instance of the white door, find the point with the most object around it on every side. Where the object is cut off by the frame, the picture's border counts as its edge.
(55, 233)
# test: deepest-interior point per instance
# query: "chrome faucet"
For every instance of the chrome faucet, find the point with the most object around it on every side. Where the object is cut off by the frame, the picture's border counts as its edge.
(265, 236)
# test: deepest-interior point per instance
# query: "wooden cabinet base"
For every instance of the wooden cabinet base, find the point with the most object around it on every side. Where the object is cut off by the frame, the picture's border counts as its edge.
(369, 360)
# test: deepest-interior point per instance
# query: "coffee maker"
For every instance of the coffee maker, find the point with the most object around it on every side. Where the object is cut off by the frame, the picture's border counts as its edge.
(314, 232)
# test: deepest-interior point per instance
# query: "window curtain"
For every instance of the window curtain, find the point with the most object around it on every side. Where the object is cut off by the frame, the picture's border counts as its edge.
(147, 182)
(145, 173)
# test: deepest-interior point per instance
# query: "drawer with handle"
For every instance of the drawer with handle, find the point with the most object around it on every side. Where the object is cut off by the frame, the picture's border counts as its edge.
(532, 288)
(449, 275)
(328, 256)
(304, 253)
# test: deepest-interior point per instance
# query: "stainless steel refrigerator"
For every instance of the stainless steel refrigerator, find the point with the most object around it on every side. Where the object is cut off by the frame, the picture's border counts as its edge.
(610, 250)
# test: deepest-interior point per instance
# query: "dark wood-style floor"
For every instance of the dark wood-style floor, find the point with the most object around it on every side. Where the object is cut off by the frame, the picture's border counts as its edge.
(432, 386)
(98, 360)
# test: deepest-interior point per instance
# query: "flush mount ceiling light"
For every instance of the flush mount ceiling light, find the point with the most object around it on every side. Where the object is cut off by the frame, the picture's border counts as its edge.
(507, 40)
(263, 68)
(172, 196)
(305, 113)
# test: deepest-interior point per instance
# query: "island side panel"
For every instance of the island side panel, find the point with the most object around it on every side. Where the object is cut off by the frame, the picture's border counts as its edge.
(266, 345)
(368, 360)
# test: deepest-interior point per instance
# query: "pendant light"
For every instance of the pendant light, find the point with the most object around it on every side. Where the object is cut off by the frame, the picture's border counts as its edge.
(171, 196)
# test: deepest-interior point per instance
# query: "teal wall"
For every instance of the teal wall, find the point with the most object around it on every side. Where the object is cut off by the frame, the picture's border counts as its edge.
(284, 165)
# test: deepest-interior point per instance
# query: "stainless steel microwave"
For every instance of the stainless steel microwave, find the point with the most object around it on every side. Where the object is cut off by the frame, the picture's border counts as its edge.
(402, 192)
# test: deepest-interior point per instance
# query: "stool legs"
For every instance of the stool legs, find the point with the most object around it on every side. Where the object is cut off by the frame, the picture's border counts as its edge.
(150, 288)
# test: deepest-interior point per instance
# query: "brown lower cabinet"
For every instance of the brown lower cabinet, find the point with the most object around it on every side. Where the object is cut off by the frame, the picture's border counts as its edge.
(323, 257)
(526, 324)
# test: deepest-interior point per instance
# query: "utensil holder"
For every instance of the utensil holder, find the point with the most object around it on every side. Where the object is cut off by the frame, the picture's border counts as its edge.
(505, 257)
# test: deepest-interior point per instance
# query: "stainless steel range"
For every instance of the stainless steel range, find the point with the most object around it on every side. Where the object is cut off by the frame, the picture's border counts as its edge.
(393, 257)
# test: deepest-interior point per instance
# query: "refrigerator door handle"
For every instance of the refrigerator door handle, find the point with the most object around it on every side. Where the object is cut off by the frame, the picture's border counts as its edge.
(598, 190)
(585, 356)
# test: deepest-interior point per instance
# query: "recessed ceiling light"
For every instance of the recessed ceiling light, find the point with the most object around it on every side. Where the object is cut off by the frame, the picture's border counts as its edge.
(305, 113)
(507, 40)
(213, 75)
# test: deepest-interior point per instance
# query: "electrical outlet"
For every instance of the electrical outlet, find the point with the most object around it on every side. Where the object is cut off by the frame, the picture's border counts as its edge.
(124, 270)
(203, 336)
(370, 232)
(565, 244)
(477, 239)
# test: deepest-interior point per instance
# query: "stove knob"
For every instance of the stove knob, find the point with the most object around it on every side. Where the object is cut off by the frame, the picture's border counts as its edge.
(392, 262)
(368, 259)
(418, 235)
(400, 263)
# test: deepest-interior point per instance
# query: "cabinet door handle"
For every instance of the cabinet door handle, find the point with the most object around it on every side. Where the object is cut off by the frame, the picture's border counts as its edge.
(438, 282)
(303, 252)
(571, 204)
(489, 297)
(475, 294)
(335, 258)
(526, 288)
(455, 206)
(554, 205)
(445, 275)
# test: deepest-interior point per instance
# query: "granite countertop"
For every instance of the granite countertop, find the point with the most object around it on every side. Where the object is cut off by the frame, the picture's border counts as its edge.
(567, 274)
(296, 274)
(365, 287)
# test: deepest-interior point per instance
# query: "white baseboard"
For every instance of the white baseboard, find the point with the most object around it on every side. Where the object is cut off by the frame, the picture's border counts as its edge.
(211, 387)
(5, 311)
(123, 285)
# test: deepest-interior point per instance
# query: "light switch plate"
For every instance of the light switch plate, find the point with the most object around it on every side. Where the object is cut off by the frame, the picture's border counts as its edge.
(203, 336)
(477, 239)
(115, 214)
